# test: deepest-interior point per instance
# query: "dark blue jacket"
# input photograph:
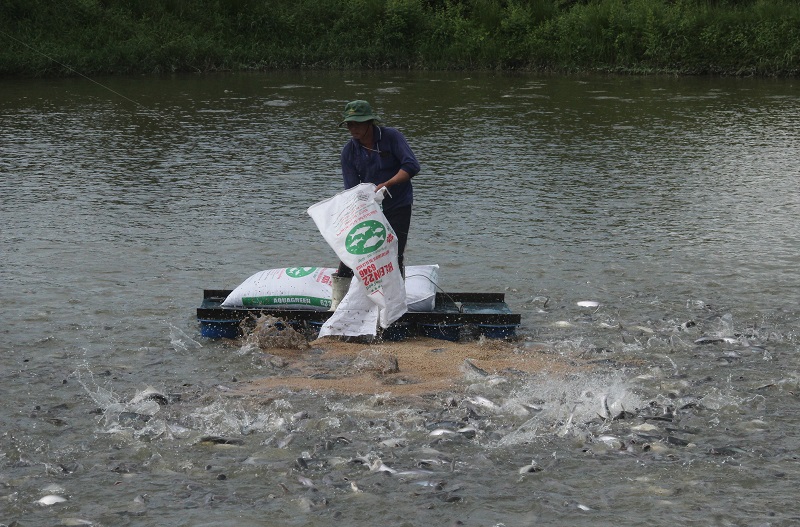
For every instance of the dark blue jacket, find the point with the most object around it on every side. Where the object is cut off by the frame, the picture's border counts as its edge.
(389, 154)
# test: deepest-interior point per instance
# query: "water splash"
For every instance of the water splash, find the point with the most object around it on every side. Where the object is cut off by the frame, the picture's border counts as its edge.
(181, 341)
(115, 410)
(567, 404)
(225, 417)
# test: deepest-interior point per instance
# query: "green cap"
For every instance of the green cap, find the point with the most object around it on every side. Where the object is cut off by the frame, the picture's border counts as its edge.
(358, 111)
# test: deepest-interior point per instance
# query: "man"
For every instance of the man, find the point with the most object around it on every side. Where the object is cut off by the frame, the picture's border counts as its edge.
(380, 155)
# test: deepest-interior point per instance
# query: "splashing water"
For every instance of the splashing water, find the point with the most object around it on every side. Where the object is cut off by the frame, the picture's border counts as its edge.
(568, 404)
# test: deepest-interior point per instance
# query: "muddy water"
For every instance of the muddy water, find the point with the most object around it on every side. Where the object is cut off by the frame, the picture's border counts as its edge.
(670, 202)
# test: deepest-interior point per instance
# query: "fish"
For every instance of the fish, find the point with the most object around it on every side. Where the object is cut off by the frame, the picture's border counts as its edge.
(51, 499)
(361, 460)
(484, 403)
(468, 431)
(568, 425)
(378, 466)
(469, 369)
(219, 440)
(306, 482)
(519, 409)
(416, 473)
(533, 408)
(656, 447)
(606, 409)
(432, 462)
(441, 432)
(450, 425)
(151, 394)
(430, 483)
(286, 441)
(726, 451)
(716, 340)
(533, 467)
(609, 440)
(644, 427)
(672, 440)
(299, 416)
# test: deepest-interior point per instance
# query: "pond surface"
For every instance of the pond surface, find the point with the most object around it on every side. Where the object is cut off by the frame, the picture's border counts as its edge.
(671, 202)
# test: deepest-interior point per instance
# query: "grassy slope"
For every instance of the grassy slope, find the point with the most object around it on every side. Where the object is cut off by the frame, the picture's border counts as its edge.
(739, 37)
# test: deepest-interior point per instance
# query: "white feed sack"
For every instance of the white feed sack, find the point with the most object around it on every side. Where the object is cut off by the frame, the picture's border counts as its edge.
(310, 288)
(422, 281)
(354, 226)
(307, 288)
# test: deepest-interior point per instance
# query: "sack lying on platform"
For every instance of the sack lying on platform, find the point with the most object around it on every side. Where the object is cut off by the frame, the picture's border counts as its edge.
(422, 281)
(307, 288)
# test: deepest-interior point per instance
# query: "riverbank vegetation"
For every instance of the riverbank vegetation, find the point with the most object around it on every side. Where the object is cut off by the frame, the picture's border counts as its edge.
(90, 37)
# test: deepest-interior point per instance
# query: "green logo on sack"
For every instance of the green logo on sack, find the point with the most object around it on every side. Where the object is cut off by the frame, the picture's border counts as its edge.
(299, 272)
(365, 237)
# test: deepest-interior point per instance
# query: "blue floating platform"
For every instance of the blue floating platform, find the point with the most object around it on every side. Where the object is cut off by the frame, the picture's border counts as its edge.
(220, 329)
(487, 313)
(316, 325)
(397, 332)
(451, 332)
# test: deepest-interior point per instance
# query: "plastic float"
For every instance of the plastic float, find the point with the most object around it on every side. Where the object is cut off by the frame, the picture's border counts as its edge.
(453, 317)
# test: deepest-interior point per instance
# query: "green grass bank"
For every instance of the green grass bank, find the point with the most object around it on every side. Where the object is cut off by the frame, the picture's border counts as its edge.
(90, 37)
